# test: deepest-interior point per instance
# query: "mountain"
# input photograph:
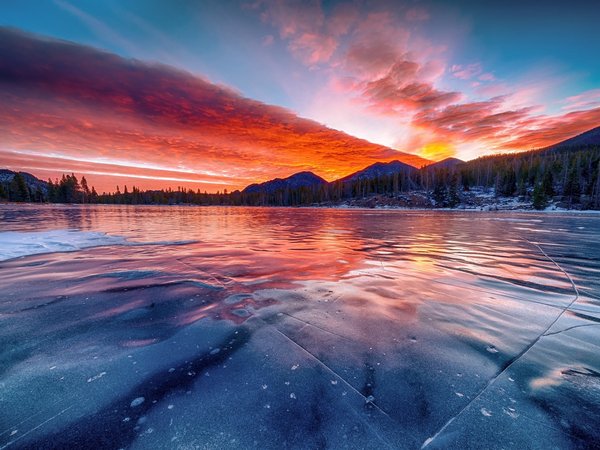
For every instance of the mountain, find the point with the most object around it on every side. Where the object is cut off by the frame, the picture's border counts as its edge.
(32, 182)
(590, 137)
(298, 180)
(379, 169)
(446, 163)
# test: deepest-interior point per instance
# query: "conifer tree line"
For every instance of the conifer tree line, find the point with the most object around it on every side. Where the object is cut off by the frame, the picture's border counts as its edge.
(66, 190)
(569, 176)
(566, 175)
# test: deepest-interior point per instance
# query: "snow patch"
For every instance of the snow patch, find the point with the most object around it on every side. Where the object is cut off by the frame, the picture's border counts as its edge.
(137, 401)
(15, 244)
(486, 412)
(96, 377)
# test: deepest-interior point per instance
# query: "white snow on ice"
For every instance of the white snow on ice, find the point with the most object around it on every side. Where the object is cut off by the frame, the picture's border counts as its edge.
(14, 244)
(137, 402)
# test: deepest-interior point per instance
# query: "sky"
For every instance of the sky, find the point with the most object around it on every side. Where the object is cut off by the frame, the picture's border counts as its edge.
(216, 95)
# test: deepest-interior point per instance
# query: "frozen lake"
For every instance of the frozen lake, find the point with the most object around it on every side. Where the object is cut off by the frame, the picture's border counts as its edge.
(186, 327)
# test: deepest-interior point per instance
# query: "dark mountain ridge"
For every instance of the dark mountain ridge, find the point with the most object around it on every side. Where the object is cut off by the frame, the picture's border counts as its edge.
(6, 176)
(445, 163)
(379, 169)
(22, 186)
(590, 137)
(295, 181)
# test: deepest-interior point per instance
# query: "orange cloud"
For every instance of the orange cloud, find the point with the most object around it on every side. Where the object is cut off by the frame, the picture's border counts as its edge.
(493, 127)
(61, 101)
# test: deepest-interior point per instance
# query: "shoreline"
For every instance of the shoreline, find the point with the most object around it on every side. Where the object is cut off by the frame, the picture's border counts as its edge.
(484, 209)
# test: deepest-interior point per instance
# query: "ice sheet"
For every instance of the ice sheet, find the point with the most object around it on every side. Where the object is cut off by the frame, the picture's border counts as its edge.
(304, 328)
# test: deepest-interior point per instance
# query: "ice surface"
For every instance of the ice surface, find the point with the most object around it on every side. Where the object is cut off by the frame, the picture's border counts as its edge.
(15, 244)
(398, 330)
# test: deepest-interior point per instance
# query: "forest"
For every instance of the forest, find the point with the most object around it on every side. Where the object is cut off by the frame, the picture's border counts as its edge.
(568, 176)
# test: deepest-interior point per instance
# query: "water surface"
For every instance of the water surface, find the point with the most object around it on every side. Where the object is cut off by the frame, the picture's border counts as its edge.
(189, 327)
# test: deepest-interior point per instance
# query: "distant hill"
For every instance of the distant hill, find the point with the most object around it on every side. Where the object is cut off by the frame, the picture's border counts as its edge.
(33, 184)
(590, 137)
(6, 176)
(309, 179)
(296, 181)
(446, 163)
(379, 169)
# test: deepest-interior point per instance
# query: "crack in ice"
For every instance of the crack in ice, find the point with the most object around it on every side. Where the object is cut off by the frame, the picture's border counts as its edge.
(35, 428)
(312, 356)
(306, 323)
(521, 354)
(572, 328)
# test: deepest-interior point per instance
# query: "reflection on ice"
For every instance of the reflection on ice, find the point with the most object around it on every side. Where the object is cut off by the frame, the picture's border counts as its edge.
(296, 328)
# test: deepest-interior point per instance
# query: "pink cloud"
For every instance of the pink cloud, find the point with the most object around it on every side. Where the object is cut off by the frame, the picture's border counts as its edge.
(399, 90)
(343, 19)
(492, 89)
(386, 71)
(313, 48)
(312, 37)
(486, 77)
(372, 57)
(585, 100)
(368, 56)
(466, 72)
(389, 77)
(376, 45)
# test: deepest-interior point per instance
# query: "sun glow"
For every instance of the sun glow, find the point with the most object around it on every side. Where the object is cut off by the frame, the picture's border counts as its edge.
(437, 151)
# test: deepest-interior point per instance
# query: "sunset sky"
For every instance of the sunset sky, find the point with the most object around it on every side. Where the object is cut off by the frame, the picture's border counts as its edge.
(220, 94)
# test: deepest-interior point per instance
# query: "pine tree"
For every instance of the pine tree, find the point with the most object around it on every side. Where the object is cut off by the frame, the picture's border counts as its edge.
(453, 195)
(595, 196)
(51, 191)
(93, 195)
(18, 190)
(548, 183)
(440, 192)
(539, 199)
(572, 188)
(507, 182)
(86, 190)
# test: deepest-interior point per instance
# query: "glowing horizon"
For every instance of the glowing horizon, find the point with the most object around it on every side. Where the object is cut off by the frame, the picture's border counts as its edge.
(246, 92)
